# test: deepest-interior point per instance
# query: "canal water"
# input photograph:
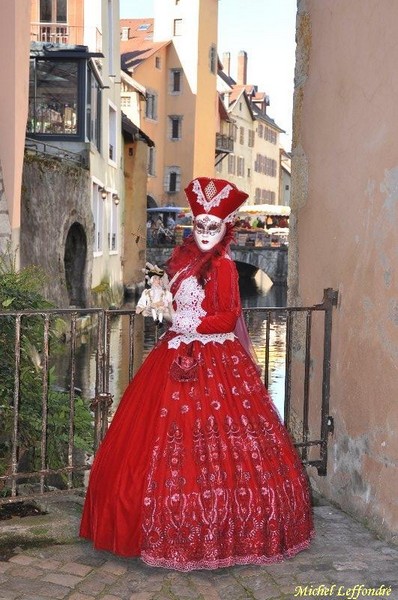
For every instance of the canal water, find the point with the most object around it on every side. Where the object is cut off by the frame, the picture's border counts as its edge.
(259, 293)
(254, 293)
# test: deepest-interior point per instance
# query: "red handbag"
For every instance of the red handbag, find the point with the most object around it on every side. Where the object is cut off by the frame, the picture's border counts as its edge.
(184, 367)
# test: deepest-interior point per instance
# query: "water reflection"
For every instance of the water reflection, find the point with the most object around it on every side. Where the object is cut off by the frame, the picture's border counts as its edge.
(260, 293)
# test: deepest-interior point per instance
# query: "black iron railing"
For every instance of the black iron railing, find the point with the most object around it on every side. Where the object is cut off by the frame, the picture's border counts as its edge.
(26, 467)
(311, 424)
(39, 148)
(224, 143)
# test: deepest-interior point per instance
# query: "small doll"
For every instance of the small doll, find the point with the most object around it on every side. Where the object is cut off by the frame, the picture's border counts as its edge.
(155, 300)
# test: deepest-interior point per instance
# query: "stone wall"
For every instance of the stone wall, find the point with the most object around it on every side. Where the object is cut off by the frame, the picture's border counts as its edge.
(55, 195)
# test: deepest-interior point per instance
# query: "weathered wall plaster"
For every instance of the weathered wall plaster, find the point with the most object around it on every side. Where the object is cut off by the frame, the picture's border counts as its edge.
(14, 77)
(345, 236)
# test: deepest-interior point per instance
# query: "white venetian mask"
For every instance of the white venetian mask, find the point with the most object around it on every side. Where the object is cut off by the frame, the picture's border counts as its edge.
(208, 231)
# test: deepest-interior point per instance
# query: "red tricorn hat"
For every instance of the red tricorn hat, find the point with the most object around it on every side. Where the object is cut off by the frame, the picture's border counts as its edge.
(216, 197)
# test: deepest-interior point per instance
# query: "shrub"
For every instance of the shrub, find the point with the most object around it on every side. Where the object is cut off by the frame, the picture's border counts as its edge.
(21, 290)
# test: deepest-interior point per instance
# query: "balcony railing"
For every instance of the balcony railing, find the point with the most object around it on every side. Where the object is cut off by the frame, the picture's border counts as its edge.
(62, 33)
(39, 148)
(224, 143)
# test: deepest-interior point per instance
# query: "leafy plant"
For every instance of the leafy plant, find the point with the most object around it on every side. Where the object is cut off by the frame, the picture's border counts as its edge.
(21, 290)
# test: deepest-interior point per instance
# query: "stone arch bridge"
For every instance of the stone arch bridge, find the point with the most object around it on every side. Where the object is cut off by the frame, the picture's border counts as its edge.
(270, 260)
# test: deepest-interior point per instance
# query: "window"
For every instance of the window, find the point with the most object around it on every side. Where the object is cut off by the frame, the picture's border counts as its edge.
(175, 81)
(213, 58)
(231, 164)
(268, 196)
(172, 180)
(98, 217)
(261, 196)
(240, 166)
(177, 29)
(260, 130)
(113, 241)
(219, 166)
(112, 134)
(93, 110)
(143, 27)
(241, 135)
(251, 138)
(53, 11)
(175, 123)
(54, 90)
(151, 161)
(151, 105)
(125, 101)
(270, 135)
(125, 34)
(265, 165)
(157, 62)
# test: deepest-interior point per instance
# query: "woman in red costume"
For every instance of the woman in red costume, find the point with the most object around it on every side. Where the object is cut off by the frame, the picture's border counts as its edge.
(197, 471)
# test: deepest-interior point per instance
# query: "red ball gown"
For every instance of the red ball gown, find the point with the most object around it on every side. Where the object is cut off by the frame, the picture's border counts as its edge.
(197, 471)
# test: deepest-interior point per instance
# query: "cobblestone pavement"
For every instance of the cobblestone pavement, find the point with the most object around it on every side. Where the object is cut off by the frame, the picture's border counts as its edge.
(343, 555)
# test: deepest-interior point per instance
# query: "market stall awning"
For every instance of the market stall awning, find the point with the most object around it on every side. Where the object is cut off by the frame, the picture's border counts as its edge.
(265, 209)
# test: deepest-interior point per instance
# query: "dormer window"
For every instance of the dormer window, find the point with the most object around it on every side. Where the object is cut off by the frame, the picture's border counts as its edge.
(125, 34)
(177, 28)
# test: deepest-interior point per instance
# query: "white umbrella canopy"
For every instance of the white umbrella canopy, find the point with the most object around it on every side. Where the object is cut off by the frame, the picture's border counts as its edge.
(265, 209)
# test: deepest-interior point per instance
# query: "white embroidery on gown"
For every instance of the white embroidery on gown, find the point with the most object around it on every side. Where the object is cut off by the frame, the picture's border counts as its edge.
(188, 315)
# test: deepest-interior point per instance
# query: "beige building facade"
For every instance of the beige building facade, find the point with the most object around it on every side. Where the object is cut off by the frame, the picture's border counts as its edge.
(266, 162)
(344, 235)
(237, 166)
(14, 75)
(254, 165)
(174, 57)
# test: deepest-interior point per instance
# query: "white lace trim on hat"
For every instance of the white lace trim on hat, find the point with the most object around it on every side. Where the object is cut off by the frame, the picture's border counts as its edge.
(215, 201)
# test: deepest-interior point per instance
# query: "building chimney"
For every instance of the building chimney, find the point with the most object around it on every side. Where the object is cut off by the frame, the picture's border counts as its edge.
(226, 62)
(242, 68)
